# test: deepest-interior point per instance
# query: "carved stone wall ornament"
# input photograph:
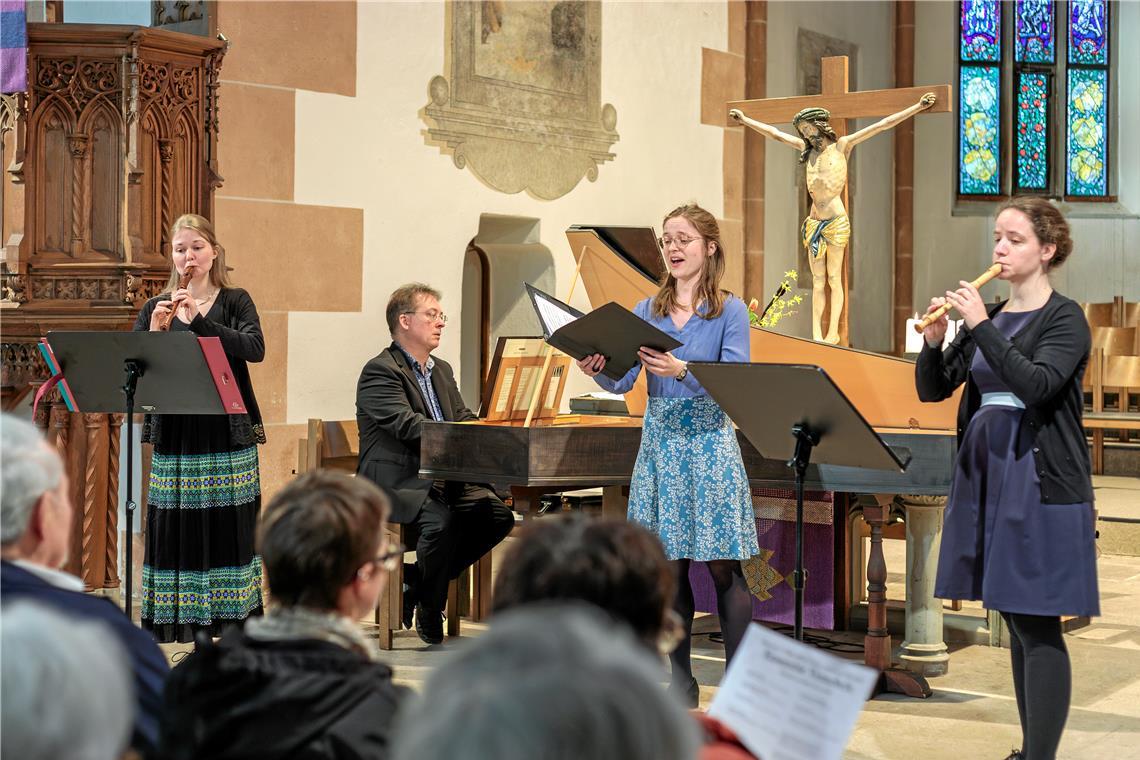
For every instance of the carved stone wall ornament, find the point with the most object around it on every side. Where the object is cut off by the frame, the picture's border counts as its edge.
(189, 16)
(522, 108)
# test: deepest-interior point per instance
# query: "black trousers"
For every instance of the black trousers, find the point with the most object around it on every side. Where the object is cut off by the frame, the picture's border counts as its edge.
(459, 524)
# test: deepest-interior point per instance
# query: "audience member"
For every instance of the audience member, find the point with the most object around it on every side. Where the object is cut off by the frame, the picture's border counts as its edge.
(67, 690)
(301, 682)
(550, 682)
(35, 536)
(618, 567)
(615, 565)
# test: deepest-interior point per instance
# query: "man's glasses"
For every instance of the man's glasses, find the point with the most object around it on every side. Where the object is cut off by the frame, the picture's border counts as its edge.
(433, 315)
(389, 558)
(680, 240)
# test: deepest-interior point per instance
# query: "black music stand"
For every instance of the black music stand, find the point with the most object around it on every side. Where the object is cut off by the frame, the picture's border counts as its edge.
(767, 401)
(104, 371)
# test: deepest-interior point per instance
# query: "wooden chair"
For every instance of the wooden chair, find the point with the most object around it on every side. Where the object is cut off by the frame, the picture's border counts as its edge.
(1116, 341)
(1100, 314)
(335, 445)
(1130, 314)
(1120, 374)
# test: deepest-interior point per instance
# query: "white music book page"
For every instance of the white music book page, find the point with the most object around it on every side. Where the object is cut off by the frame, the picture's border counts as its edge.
(787, 700)
(552, 315)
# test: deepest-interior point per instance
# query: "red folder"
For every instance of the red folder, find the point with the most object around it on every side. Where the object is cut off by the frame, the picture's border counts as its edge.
(223, 376)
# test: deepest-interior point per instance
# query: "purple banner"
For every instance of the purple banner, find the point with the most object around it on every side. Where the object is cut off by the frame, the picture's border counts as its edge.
(13, 46)
(769, 575)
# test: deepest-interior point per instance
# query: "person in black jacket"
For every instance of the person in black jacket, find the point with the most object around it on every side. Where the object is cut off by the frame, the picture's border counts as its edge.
(399, 389)
(199, 568)
(35, 538)
(301, 682)
(1019, 525)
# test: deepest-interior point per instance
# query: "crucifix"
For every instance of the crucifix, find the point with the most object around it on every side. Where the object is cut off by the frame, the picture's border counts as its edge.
(824, 145)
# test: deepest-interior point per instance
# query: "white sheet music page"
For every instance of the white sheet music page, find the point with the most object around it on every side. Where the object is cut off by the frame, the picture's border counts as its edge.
(552, 315)
(787, 700)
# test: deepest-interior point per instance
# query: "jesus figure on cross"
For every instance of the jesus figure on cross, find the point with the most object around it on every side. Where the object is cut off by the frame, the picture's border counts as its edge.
(827, 229)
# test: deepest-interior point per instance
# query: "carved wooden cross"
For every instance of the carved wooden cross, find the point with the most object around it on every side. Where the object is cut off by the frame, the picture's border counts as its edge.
(843, 105)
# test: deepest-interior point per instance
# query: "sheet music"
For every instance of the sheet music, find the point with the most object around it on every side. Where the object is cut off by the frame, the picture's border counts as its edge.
(527, 378)
(552, 315)
(552, 388)
(787, 700)
(504, 390)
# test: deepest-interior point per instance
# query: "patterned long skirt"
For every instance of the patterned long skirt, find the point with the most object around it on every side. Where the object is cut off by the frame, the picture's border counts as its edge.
(689, 485)
(200, 571)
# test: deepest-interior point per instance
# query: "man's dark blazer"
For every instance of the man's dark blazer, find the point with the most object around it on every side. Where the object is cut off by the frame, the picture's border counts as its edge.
(390, 412)
(147, 661)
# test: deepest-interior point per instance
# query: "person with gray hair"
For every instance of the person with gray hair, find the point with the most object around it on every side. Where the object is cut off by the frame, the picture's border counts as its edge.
(66, 689)
(552, 682)
(32, 476)
(35, 535)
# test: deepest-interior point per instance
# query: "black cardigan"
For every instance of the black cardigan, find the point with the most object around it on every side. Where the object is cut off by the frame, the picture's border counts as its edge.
(234, 321)
(1042, 365)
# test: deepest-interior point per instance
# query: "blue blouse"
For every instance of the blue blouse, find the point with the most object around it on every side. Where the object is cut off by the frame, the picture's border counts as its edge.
(724, 339)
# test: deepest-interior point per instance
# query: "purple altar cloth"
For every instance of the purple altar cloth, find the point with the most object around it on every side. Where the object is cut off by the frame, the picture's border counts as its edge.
(770, 574)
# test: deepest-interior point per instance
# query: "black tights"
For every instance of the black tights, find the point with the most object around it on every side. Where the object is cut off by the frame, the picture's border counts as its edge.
(1042, 680)
(733, 601)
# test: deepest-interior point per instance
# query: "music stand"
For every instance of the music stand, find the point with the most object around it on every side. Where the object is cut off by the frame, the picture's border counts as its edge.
(767, 401)
(106, 371)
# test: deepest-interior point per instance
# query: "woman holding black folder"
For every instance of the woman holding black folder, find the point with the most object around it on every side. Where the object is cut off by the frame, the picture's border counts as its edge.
(1019, 527)
(689, 486)
(200, 572)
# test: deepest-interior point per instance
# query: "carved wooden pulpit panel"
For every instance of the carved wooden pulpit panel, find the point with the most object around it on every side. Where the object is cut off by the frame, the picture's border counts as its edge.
(114, 139)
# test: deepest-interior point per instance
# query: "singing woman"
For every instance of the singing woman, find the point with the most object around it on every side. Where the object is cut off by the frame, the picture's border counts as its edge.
(689, 486)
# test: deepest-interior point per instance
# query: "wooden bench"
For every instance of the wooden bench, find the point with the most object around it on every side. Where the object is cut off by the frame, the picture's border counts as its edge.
(1110, 374)
(335, 444)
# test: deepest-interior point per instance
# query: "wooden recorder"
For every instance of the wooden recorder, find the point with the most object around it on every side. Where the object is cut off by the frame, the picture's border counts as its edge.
(935, 315)
(183, 281)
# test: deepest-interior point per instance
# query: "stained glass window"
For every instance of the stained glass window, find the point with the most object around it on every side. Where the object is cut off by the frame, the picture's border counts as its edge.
(1088, 32)
(1052, 136)
(1086, 154)
(1034, 31)
(981, 30)
(979, 141)
(1031, 159)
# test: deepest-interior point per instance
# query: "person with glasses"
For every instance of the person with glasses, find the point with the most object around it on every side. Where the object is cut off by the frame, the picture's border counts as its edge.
(399, 389)
(689, 486)
(302, 681)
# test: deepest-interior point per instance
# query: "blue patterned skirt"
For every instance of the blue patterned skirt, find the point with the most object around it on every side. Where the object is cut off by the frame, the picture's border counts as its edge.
(689, 485)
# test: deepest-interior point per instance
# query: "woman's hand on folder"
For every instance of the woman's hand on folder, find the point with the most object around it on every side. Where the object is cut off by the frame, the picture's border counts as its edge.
(592, 364)
(662, 364)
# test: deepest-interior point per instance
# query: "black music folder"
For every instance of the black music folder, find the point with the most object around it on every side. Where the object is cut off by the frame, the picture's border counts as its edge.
(612, 330)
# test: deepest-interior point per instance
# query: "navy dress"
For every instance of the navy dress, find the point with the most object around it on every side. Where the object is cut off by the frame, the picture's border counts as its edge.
(1000, 543)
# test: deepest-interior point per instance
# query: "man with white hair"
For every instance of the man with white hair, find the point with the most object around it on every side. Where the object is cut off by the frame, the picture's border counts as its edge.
(35, 532)
(67, 691)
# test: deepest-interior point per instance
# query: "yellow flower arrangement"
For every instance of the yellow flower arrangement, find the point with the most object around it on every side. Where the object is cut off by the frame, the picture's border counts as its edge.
(779, 307)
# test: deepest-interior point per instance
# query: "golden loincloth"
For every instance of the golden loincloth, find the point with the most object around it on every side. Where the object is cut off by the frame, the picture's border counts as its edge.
(818, 234)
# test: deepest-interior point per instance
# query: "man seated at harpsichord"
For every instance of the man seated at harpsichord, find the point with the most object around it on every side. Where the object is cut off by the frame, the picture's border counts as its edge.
(399, 389)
